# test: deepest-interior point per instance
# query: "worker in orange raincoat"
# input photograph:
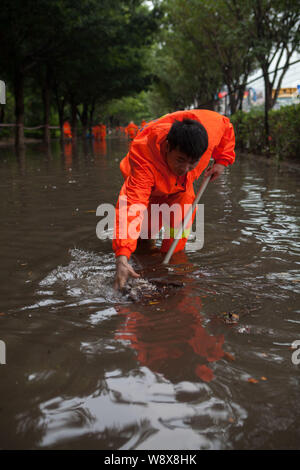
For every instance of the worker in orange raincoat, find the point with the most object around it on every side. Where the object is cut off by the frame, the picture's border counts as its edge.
(164, 160)
(67, 130)
(143, 123)
(102, 131)
(131, 130)
(96, 132)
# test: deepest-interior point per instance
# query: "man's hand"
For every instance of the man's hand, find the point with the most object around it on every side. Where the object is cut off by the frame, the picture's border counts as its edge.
(215, 171)
(123, 272)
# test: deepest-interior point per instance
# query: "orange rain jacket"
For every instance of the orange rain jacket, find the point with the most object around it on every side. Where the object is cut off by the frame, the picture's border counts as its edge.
(102, 131)
(148, 178)
(132, 130)
(67, 130)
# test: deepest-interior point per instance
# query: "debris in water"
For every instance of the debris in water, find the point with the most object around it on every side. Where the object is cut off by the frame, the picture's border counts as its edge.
(149, 291)
(244, 329)
(230, 318)
(229, 356)
(253, 381)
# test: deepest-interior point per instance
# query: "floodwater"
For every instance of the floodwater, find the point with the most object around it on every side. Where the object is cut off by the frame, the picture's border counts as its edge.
(206, 366)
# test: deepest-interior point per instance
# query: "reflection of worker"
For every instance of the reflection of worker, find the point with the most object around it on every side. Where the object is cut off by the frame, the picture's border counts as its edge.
(99, 147)
(180, 337)
(164, 160)
(131, 130)
(67, 130)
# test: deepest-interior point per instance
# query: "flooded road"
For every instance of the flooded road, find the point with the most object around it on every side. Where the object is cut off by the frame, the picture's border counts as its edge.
(206, 366)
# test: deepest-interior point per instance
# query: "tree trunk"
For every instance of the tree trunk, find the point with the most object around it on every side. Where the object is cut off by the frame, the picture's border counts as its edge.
(46, 104)
(268, 102)
(60, 103)
(19, 108)
(91, 117)
(74, 121)
(84, 120)
(2, 113)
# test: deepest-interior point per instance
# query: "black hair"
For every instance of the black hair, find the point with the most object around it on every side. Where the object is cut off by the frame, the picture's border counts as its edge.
(190, 137)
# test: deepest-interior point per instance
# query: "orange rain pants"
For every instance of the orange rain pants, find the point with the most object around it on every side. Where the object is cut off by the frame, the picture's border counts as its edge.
(148, 179)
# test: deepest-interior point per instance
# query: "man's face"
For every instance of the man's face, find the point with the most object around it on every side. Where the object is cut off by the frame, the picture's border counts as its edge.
(178, 162)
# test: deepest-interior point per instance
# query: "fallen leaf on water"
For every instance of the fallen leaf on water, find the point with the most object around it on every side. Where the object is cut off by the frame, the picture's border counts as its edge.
(253, 381)
(152, 303)
(87, 212)
(231, 420)
(2, 314)
(229, 317)
(229, 356)
(205, 373)
(263, 378)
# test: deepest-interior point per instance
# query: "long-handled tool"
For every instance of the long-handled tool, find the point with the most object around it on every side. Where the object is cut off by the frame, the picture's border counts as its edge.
(186, 220)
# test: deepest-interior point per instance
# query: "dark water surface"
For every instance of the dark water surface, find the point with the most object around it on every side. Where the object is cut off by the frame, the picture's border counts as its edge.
(86, 368)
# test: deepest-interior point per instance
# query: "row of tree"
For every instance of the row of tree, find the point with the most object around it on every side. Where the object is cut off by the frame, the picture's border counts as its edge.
(84, 54)
(74, 52)
(207, 44)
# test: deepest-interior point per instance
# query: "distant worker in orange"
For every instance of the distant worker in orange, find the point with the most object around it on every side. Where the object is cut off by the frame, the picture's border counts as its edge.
(67, 130)
(102, 131)
(96, 131)
(132, 130)
(143, 123)
(164, 160)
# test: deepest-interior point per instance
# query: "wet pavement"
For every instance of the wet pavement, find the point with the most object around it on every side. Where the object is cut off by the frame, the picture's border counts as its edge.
(207, 365)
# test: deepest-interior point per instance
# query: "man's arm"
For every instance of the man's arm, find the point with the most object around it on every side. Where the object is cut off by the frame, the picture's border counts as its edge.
(215, 171)
(224, 153)
(136, 190)
(123, 272)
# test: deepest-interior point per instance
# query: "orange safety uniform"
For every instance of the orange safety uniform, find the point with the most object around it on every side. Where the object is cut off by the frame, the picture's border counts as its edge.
(102, 131)
(96, 131)
(149, 180)
(131, 130)
(67, 130)
(143, 123)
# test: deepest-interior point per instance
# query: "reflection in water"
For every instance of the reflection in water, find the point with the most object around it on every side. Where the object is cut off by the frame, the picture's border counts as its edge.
(90, 369)
(177, 335)
(68, 154)
(99, 148)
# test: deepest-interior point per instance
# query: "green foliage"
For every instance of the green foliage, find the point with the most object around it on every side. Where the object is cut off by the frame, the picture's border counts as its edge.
(122, 111)
(285, 135)
(90, 51)
(202, 46)
(7, 114)
(284, 139)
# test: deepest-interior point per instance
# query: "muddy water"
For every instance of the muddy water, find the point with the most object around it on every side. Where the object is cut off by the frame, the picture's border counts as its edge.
(205, 366)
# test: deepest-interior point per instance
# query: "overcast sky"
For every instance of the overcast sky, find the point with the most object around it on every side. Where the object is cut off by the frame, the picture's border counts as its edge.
(290, 80)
